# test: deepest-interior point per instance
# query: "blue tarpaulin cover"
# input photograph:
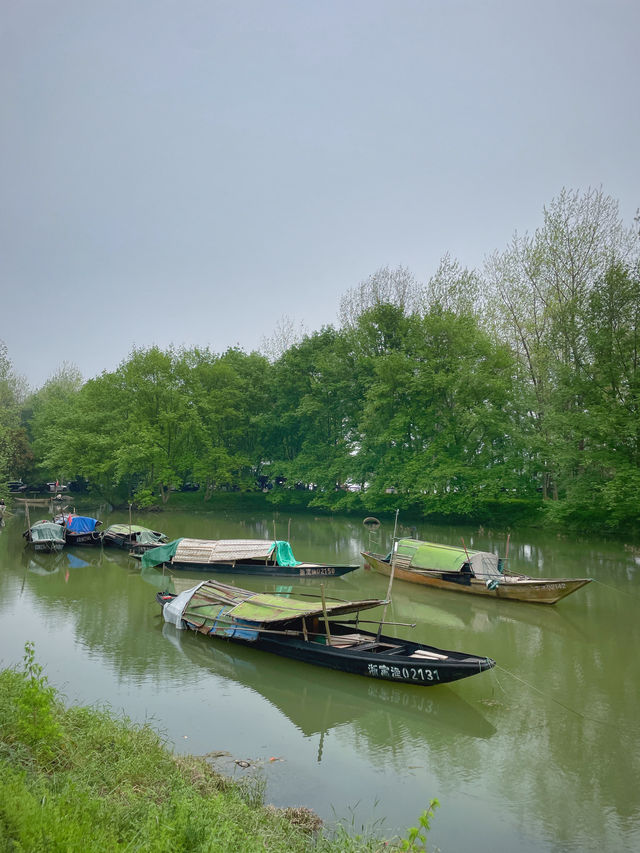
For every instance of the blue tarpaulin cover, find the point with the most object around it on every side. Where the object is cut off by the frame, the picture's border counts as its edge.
(81, 524)
(76, 562)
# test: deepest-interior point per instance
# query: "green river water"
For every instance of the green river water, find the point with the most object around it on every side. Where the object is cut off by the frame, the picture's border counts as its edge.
(539, 754)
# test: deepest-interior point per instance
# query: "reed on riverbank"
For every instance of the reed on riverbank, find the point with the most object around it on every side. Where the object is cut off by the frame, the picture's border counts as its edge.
(80, 779)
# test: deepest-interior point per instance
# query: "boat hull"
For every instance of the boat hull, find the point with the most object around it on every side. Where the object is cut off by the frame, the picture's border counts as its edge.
(93, 538)
(532, 590)
(303, 570)
(375, 665)
(46, 546)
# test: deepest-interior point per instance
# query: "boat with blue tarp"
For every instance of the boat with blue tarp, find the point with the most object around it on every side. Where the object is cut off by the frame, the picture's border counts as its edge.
(80, 529)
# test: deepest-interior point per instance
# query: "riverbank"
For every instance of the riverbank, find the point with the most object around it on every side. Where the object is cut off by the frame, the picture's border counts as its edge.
(81, 779)
(525, 513)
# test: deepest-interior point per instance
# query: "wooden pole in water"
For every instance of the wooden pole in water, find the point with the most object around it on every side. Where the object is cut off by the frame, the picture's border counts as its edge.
(465, 550)
(393, 567)
(506, 556)
(324, 613)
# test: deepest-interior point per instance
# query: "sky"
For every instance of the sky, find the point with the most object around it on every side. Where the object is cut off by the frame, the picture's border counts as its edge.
(191, 172)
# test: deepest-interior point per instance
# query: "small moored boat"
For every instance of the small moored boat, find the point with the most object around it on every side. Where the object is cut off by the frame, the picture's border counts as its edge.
(463, 570)
(132, 536)
(240, 556)
(80, 529)
(45, 536)
(303, 630)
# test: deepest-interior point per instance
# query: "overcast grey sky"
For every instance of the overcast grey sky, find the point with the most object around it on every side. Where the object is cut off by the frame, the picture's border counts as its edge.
(191, 171)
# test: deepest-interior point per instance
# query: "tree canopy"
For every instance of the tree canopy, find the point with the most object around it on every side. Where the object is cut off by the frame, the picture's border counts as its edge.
(480, 394)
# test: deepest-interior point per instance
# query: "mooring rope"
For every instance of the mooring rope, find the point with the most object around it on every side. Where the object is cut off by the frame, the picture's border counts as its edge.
(615, 588)
(548, 696)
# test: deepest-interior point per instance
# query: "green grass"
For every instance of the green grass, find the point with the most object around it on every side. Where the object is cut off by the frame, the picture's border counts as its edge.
(81, 779)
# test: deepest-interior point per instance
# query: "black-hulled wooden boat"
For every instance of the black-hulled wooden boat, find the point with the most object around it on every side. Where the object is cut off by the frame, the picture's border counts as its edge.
(310, 701)
(45, 536)
(80, 529)
(133, 537)
(273, 558)
(305, 630)
(462, 570)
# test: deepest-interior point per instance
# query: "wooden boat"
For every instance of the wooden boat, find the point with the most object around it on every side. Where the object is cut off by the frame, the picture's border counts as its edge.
(273, 558)
(314, 706)
(302, 630)
(45, 536)
(132, 536)
(80, 529)
(474, 572)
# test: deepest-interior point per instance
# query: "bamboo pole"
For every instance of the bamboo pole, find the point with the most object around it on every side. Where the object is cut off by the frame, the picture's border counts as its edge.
(465, 550)
(376, 622)
(393, 567)
(324, 613)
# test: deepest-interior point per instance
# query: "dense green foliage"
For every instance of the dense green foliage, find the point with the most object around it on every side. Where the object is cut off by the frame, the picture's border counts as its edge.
(81, 779)
(511, 393)
(14, 446)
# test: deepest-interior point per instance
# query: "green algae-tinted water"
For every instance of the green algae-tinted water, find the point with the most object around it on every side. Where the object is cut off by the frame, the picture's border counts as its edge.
(540, 754)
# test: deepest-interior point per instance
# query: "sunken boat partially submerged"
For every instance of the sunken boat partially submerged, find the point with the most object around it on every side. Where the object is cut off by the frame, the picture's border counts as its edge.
(270, 557)
(135, 538)
(463, 570)
(45, 536)
(306, 630)
(80, 529)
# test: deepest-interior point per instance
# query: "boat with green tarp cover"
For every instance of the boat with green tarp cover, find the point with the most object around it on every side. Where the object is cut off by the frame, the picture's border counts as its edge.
(45, 536)
(270, 557)
(464, 570)
(132, 536)
(305, 629)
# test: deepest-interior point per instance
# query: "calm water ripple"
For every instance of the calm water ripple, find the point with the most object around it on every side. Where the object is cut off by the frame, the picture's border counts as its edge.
(540, 754)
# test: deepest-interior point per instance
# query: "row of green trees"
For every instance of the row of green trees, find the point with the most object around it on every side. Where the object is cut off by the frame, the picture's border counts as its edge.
(515, 389)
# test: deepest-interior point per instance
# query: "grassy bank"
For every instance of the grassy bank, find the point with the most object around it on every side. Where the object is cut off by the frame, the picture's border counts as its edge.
(80, 779)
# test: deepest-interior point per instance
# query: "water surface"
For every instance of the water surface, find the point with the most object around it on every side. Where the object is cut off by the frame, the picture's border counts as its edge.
(539, 754)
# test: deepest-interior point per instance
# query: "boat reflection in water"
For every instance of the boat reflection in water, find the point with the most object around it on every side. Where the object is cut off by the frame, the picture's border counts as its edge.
(315, 705)
(42, 562)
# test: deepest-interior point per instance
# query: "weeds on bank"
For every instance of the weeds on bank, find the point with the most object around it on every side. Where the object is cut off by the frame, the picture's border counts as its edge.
(79, 779)
(416, 840)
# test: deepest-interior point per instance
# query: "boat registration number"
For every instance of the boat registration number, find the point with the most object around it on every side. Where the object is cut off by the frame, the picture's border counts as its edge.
(324, 570)
(405, 673)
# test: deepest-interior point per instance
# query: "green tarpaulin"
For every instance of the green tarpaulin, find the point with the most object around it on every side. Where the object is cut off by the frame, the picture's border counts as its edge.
(447, 558)
(45, 531)
(160, 554)
(204, 603)
(284, 554)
